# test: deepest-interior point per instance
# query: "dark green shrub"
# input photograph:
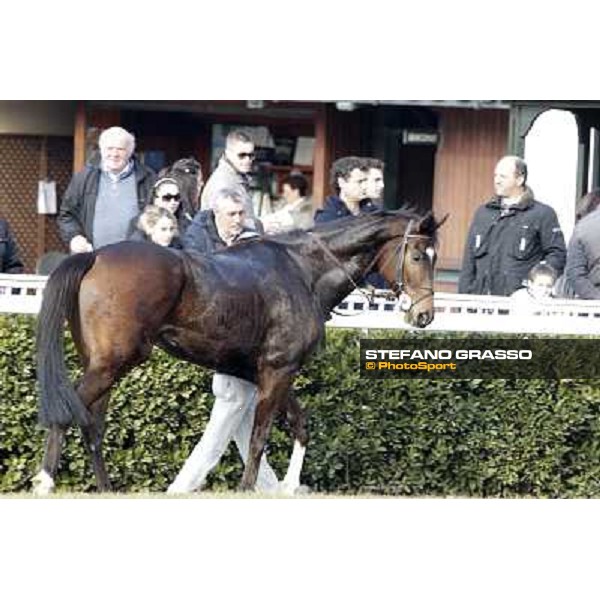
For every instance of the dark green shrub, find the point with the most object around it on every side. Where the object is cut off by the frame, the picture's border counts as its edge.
(498, 438)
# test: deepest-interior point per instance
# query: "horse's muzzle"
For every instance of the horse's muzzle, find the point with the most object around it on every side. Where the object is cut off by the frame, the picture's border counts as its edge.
(419, 319)
(424, 318)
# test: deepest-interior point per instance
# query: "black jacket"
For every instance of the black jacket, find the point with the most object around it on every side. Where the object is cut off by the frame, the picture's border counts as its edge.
(10, 261)
(504, 244)
(76, 213)
(202, 234)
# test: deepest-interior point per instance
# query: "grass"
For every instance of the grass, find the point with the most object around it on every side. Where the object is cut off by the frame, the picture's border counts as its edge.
(204, 495)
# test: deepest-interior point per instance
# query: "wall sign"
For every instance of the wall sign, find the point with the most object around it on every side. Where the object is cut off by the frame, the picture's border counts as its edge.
(420, 137)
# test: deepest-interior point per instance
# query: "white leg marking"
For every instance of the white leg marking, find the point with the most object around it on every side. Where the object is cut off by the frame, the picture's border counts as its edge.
(43, 484)
(291, 481)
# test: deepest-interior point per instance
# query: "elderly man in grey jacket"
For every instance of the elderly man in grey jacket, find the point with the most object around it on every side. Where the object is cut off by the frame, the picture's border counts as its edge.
(233, 173)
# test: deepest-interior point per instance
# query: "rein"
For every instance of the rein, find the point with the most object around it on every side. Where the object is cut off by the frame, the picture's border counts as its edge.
(398, 286)
(338, 263)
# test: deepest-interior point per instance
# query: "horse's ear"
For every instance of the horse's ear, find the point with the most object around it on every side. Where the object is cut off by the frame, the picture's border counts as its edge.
(428, 225)
(442, 220)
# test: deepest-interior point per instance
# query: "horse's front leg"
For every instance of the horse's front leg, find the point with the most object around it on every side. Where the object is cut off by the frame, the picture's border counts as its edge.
(273, 388)
(297, 421)
(43, 482)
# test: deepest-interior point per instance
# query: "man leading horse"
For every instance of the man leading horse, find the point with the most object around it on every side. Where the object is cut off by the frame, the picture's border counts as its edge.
(232, 415)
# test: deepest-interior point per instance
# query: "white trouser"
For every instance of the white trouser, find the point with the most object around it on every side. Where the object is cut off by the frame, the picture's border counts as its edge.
(232, 417)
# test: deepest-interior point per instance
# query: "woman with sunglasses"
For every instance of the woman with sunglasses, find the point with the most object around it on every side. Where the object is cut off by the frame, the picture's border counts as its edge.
(187, 172)
(165, 194)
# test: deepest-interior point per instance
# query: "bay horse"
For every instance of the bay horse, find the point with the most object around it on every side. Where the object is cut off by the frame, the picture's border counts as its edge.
(256, 310)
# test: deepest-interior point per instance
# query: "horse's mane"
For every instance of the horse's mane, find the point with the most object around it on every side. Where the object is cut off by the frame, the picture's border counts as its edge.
(351, 224)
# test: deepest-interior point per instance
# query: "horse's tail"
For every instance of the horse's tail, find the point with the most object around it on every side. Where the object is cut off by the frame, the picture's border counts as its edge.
(59, 402)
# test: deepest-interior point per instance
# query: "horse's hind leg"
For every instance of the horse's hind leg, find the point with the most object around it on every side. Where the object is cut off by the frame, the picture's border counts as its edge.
(94, 389)
(43, 482)
(93, 437)
(297, 421)
(274, 387)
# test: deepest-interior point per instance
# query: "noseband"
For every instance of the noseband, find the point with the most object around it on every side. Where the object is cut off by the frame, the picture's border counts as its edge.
(398, 285)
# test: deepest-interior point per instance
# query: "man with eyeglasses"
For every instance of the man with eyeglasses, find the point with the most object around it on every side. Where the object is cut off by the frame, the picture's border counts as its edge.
(102, 199)
(232, 173)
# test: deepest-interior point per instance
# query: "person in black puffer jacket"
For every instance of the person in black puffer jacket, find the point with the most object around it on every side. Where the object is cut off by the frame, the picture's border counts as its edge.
(510, 235)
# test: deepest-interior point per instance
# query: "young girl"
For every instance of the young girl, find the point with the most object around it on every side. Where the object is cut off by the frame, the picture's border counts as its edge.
(159, 225)
(535, 298)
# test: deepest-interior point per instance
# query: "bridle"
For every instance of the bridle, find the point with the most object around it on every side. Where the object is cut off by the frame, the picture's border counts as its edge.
(398, 285)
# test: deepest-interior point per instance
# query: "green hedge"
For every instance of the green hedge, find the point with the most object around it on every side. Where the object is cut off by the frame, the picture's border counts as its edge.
(498, 438)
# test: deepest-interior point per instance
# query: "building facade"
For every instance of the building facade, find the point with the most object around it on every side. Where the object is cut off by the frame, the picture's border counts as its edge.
(439, 155)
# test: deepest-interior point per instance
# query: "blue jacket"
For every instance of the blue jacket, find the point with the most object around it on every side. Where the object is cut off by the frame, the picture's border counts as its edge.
(202, 234)
(334, 208)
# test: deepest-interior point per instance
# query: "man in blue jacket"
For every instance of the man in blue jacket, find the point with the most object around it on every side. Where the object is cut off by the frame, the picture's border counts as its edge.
(348, 177)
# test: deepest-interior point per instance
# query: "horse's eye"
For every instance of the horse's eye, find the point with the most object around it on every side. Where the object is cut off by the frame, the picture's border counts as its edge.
(416, 256)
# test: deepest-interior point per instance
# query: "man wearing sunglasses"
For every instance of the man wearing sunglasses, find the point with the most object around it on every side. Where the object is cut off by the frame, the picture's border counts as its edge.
(232, 173)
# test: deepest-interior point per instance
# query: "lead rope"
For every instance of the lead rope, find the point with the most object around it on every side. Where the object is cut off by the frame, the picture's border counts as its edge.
(337, 262)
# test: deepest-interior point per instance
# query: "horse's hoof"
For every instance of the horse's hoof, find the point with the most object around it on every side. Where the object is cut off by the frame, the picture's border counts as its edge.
(293, 489)
(43, 484)
(287, 488)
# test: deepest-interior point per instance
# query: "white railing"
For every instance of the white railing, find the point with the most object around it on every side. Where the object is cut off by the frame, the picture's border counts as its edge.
(462, 312)
(453, 312)
(21, 293)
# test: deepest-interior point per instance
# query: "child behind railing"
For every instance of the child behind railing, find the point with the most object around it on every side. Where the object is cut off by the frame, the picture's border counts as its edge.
(539, 289)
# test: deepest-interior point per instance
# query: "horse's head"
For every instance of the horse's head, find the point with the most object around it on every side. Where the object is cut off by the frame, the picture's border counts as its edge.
(407, 264)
